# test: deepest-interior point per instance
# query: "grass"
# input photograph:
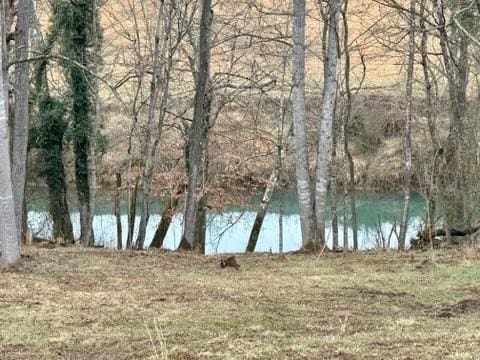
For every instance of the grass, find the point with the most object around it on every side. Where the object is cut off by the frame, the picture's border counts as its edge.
(74, 303)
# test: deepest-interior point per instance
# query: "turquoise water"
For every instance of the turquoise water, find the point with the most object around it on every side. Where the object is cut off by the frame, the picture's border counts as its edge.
(228, 230)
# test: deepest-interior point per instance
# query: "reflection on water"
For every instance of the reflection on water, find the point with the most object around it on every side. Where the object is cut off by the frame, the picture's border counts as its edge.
(228, 231)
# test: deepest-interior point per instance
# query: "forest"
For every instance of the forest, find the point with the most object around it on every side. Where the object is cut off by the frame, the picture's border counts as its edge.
(230, 147)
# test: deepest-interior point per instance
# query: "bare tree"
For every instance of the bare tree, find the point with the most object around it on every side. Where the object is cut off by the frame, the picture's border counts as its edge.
(195, 135)
(325, 143)
(149, 151)
(20, 123)
(304, 189)
(349, 166)
(408, 126)
(9, 236)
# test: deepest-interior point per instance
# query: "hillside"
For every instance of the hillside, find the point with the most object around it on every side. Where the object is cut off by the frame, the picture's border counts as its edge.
(251, 75)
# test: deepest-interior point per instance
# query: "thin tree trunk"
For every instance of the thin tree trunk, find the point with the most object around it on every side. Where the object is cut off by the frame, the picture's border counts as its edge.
(430, 189)
(426, 76)
(196, 133)
(92, 144)
(353, 200)
(9, 240)
(132, 211)
(304, 190)
(116, 210)
(280, 229)
(325, 144)
(20, 123)
(149, 141)
(349, 189)
(408, 128)
(333, 192)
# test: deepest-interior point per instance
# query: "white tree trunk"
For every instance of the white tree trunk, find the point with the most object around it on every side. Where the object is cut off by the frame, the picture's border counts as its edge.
(304, 192)
(325, 143)
(9, 240)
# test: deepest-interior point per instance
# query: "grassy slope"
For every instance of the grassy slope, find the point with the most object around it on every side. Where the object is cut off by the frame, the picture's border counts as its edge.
(101, 304)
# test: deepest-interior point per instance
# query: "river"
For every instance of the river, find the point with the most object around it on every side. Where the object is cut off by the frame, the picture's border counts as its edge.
(228, 230)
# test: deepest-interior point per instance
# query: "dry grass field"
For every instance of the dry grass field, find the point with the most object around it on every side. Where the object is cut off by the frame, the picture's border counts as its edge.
(75, 303)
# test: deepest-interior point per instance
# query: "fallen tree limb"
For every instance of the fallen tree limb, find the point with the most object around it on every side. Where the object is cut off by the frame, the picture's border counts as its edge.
(426, 238)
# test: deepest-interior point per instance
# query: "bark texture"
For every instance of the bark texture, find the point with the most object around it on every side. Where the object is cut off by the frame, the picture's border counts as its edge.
(325, 144)
(196, 133)
(304, 190)
(20, 122)
(9, 240)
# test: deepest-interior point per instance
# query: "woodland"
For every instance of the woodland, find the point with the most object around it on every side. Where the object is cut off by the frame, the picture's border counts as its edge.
(202, 105)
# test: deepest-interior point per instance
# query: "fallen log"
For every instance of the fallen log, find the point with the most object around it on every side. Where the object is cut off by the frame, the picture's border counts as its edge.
(426, 238)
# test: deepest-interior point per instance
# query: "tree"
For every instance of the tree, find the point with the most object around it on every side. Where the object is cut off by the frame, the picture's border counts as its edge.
(19, 134)
(48, 136)
(9, 236)
(195, 133)
(455, 55)
(348, 164)
(408, 126)
(325, 142)
(304, 191)
(150, 139)
(80, 40)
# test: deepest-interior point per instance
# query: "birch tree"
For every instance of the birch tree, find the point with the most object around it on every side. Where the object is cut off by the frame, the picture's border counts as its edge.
(325, 142)
(304, 191)
(9, 236)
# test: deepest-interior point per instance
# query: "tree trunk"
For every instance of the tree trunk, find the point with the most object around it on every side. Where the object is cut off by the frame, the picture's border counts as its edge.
(20, 123)
(78, 24)
(349, 166)
(201, 217)
(52, 125)
(167, 217)
(408, 128)
(455, 71)
(149, 139)
(116, 210)
(62, 224)
(196, 133)
(430, 192)
(9, 240)
(132, 211)
(280, 229)
(325, 144)
(201, 225)
(92, 135)
(333, 193)
(304, 191)
(262, 211)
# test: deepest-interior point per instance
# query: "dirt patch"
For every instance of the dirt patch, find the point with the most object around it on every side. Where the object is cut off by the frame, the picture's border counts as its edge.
(466, 306)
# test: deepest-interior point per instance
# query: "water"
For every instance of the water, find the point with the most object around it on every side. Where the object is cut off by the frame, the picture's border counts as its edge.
(228, 231)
